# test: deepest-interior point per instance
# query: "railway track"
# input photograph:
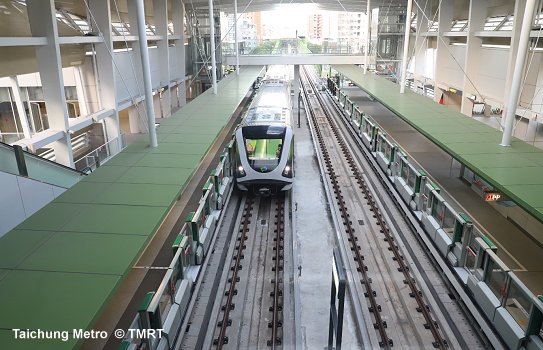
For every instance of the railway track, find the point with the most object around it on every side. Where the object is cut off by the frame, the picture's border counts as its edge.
(360, 197)
(251, 309)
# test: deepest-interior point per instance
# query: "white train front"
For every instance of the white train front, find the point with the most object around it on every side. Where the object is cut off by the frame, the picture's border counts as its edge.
(264, 140)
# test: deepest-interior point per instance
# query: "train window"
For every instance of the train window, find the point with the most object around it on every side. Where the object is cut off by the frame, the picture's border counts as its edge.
(495, 279)
(518, 305)
(264, 154)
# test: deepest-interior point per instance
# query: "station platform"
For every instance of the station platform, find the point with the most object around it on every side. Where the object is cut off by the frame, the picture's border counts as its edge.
(59, 268)
(515, 170)
(431, 133)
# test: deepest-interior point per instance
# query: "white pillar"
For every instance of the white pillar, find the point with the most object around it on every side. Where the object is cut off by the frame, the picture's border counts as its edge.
(160, 11)
(43, 22)
(476, 22)
(147, 84)
(105, 69)
(136, 90)
(368, 37)
(296, 83)
(212, 44)
(14, 84)
(421, 41)
(406, 45)
(446, 11)
(520, 6)
(512, 103)
(178, 15)
(236, 34)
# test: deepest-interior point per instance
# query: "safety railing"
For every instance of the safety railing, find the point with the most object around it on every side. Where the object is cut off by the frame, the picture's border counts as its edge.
(36, 167)
(163, 311)
(92, 160)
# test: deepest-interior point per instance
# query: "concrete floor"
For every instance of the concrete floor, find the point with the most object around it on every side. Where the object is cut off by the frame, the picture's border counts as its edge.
(314, 242)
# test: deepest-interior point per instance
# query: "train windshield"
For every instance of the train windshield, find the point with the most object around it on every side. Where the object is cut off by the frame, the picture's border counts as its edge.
(264, 144)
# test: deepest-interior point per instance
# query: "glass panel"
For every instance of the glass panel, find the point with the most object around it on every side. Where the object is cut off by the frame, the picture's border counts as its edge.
(448, 223)
(459, 25)
(412, 178)
(388, 151)
(495, 279)
(438, 212)
(166, 300)
(263, 154)
(518, 305)
(471, 255)
(405, 170)
(493, 22)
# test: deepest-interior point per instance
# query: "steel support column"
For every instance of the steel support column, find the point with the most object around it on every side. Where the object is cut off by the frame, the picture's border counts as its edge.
(147, 83)
(43, 23)
(105, 68)
(520, 62)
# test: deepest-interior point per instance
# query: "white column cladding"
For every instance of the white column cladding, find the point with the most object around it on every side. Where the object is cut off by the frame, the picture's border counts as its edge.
(212, 44)
(101, 21)
(520, 6)
(518, 73)
(476, 22)
(137, 89)
(446, 11)
(43, 22)
(407, 35)
(236, 34)
(421, 41)
(178, 15)
(23, 118)
(160, 11)
(368, 36)
(147, 83)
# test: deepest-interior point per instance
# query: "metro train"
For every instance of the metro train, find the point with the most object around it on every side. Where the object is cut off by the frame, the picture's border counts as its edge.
(264, 142)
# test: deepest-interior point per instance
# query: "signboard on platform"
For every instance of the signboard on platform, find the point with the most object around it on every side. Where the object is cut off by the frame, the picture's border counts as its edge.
(492, 196)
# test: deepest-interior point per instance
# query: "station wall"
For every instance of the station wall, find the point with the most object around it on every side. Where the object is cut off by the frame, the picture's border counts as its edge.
(22, 197)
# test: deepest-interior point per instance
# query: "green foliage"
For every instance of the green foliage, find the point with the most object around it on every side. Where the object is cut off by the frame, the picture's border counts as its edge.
(314, 48)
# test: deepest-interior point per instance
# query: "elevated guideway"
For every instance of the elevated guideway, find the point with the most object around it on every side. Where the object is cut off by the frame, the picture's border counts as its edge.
(60, 267)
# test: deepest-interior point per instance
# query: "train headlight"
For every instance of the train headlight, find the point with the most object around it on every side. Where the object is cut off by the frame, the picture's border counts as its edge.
(287, 171)
(241, 171)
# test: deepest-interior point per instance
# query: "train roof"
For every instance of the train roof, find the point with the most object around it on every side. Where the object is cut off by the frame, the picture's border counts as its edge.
(267, 115)
(271, 104)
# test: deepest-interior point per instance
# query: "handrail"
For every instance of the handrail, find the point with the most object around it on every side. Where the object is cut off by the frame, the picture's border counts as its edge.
(10, 147)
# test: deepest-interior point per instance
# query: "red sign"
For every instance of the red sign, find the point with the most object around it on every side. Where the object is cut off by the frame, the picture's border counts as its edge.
(492, 196)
